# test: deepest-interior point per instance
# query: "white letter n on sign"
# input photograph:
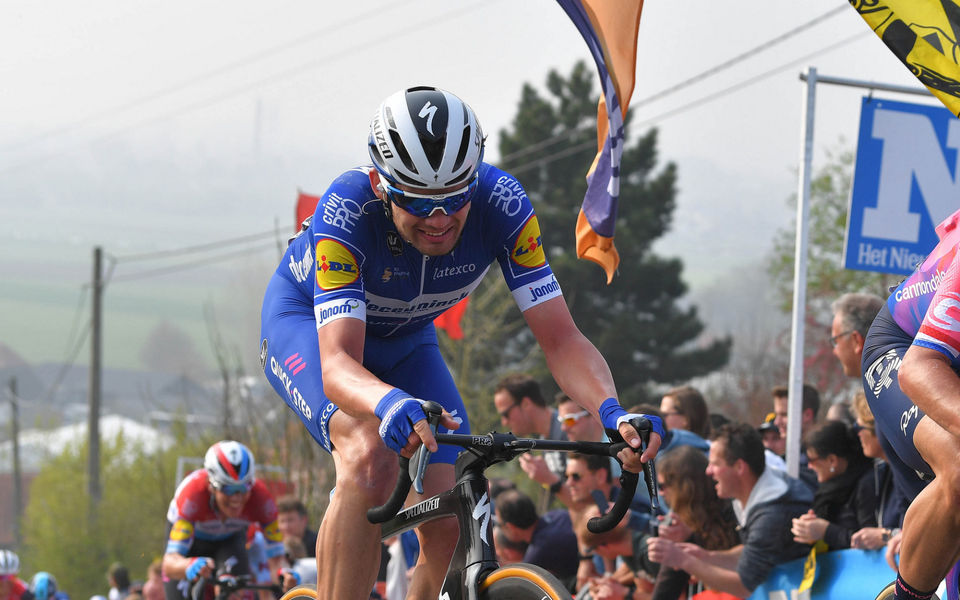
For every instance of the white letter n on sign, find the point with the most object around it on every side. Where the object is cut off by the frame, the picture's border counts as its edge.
(911, 150)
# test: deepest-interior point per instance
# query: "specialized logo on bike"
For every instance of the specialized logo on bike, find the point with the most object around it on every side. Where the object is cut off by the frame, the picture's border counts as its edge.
(336, 266)
(424, 507)
(528, 251)
(481, 512)
(296, 363)
(880, 374)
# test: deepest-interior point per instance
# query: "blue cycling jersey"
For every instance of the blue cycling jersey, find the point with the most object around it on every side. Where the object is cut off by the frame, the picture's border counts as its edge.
(353, 263)
(350, 262)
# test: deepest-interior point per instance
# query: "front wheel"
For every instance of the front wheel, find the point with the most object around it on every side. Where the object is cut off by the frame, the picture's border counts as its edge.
(522, 582)
(301, 592)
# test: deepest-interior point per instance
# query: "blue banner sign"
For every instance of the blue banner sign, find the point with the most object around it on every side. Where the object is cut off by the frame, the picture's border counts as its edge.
(905, 182)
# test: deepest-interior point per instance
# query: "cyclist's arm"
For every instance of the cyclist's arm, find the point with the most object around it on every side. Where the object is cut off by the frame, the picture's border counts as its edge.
(174, 566)
(352, 387)
(345, 380)
(928, 379)
(576, 364)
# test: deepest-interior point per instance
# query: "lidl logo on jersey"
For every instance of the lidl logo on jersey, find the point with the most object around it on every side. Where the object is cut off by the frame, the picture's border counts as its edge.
(181, 531)
(906, 181)
(336, 266)
(528, 251)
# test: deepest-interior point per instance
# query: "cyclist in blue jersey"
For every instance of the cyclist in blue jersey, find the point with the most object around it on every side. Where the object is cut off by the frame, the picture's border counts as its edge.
(911, 357)
(347, 333)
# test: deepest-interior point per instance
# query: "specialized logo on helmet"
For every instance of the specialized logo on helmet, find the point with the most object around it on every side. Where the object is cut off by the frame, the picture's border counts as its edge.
(336, 266)
(527, 251)
(428, 111)
(380, 138)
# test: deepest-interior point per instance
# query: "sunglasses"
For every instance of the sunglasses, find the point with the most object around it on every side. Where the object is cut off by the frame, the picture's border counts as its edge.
(857, 428)
(506, 414)
(571, 419)
(232, 489)
(423, 205)
(574, 476)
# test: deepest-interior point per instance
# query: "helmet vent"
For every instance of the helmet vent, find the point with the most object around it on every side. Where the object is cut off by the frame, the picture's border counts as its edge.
(402, 151)
(434, 150)
(391, 124)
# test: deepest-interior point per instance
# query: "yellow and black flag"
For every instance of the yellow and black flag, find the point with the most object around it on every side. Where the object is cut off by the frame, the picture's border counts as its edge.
(923, 34)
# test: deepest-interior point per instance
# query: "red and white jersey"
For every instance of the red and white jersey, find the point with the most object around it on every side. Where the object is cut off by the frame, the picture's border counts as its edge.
(193, 514)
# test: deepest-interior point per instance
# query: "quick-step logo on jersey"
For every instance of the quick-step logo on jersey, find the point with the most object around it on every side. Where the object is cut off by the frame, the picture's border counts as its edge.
(301, 269)
(527, 250)
(336, 266)
(293, 392)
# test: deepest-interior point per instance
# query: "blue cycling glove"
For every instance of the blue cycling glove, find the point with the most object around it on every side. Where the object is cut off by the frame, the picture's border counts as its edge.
(612, 414)
(195, 566)
(296, 576)
(398, 411)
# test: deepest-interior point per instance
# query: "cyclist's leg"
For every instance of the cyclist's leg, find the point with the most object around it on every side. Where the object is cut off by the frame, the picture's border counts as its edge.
(366, 469)
(366, 472)
(423, 373)
(931, 528)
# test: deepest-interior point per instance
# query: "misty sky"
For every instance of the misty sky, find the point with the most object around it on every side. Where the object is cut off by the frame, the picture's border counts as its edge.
(147, 127)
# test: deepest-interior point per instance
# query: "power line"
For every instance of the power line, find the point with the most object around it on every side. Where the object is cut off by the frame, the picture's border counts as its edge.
(191, 265)
(689, 105)
(218, 245)
(236, 91)
(747, 82)
(203, 77)
(685, 83)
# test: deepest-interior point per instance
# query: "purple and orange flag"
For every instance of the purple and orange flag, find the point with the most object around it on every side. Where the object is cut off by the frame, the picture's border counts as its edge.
(610, 30)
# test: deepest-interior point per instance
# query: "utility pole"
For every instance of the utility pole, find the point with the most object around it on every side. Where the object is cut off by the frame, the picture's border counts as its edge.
(17, 477)
(93, 421)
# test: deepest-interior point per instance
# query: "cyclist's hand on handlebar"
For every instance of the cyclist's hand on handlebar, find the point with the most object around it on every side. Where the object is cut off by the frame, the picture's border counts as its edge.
(200, 566)
(613, 416)
(403, 424)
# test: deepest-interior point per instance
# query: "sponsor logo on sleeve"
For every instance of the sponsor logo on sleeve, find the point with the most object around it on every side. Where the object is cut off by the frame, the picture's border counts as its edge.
(537, 292)
(181, 531)
(341, 212)
(300, 269)
(508, 195)
(336, 266)
(272, 532)
(527, 250)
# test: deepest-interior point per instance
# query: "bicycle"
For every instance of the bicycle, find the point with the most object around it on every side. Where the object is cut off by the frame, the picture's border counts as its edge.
(224, 584)
(473, 572)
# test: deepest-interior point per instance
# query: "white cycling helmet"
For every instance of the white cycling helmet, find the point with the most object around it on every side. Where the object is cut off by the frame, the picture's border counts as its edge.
(9, 562)
(229, 463)
(426, 138)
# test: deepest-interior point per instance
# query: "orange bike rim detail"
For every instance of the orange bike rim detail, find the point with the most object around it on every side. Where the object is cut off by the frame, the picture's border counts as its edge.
(521, 574)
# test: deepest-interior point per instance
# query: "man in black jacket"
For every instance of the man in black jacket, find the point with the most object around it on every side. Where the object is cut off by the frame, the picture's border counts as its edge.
(765, 500)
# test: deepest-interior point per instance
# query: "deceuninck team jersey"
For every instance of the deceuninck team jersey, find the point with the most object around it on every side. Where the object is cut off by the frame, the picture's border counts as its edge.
(352, 263)
(927, 304)
(193, 516)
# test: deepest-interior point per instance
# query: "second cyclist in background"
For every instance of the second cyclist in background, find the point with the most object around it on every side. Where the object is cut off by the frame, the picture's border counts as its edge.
(208, 519)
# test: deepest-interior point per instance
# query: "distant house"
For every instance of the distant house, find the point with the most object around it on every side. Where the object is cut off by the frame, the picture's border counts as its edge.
(37, 446)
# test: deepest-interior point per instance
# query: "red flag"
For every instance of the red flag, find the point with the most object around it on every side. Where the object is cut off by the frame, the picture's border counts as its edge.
(306, 204)
(449, 320)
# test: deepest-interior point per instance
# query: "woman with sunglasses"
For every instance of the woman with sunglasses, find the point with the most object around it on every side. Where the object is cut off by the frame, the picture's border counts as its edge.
(347, 325)
(845, 500)
(209, 515)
